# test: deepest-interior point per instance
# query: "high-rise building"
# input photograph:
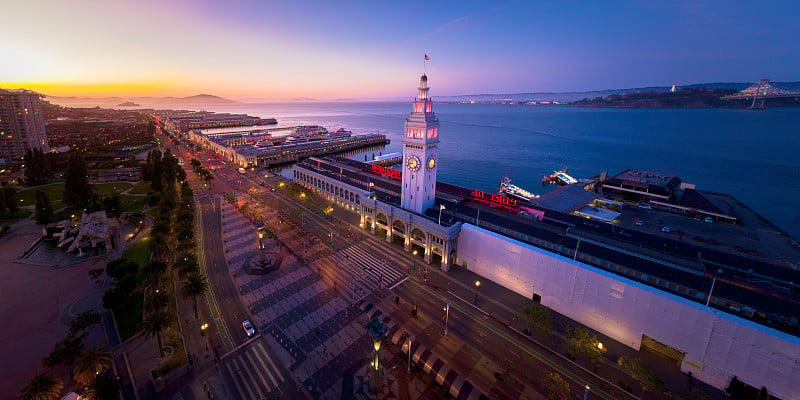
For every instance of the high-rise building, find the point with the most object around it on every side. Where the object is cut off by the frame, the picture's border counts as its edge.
(420, 153)
(21, 123)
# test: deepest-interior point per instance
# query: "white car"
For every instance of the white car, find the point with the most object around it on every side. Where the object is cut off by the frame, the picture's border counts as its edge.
(639, 222)
(249, 329)
(665, 229)
(709, 220)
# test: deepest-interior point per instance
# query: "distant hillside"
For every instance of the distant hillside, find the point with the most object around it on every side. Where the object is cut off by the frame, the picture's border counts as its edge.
(682, 98)
(196, 101)
(575, 96)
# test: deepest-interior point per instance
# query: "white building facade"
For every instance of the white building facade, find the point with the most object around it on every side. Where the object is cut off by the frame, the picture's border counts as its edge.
(711, 344)
(22, 124)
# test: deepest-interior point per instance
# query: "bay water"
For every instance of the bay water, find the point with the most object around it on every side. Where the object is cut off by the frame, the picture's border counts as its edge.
(752, 155)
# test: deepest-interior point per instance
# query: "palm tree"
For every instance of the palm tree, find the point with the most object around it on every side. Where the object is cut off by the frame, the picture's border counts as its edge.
(194, 285)
(154, 325)
(157, 300)
(103, 387)
(92, 362)
(43, 386)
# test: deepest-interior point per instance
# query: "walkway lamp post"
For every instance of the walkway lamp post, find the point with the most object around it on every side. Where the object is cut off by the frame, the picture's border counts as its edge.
(446, 316)
(585, 392)
(408, 345)
(203, 328)
(477, 286)
(415, 259)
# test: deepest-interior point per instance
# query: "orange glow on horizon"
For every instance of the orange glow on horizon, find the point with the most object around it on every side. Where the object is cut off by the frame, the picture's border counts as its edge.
(65, 89)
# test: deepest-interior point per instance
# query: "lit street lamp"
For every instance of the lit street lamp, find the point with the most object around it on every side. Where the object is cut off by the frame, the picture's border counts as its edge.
(408, 343)
(477, 286)
(203, 329)
(446, 316)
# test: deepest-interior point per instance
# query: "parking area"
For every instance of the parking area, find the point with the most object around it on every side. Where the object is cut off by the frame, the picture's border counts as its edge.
(753, 237)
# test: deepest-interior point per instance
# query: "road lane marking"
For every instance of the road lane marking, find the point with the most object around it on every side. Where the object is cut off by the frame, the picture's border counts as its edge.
(274, 368)
(245, 381)
(264, 368)
(233, 378)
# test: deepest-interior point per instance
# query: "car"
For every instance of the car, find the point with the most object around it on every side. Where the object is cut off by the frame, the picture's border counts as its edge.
(665, 229)
(709, 220)
(249, 329)
(639, 222)
(645, 207)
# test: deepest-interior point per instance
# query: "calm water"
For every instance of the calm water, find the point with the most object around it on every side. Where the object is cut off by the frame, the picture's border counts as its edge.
(753, 155)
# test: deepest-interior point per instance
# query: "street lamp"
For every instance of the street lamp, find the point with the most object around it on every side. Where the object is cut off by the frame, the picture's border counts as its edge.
(408, 343)
(203, 329)
(446, 316)
(477, 286)
(585, 392)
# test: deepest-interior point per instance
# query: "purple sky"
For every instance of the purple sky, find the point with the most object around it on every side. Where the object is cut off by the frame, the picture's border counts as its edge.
(334, 49)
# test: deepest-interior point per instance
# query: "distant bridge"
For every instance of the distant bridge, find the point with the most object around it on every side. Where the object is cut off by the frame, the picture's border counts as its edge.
(760, 91)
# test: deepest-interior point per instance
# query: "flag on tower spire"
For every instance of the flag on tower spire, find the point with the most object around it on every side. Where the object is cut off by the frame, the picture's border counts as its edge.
(426, 58)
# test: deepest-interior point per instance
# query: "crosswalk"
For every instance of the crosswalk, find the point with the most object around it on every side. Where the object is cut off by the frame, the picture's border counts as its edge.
(251, 372)
(366, 268)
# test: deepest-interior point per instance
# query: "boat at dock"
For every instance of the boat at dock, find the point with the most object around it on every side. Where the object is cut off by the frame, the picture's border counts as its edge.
(515, 192)
(560, 177)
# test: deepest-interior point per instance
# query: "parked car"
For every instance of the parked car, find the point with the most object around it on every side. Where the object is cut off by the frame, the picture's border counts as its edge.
(639, 222)
(249, 329)
(709, 220)
(665, 229)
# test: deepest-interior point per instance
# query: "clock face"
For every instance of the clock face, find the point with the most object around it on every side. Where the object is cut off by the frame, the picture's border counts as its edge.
(431, 162)
(413, 163)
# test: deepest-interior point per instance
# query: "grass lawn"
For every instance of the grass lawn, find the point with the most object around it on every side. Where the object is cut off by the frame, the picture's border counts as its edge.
(142, 187)
(105, 189)
(129, 316)
(139, 253)
(54, 191)
(20, 214)
(153, 212)
(131, 203)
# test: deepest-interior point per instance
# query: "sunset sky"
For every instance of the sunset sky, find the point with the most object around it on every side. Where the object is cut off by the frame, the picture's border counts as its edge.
(351, 48)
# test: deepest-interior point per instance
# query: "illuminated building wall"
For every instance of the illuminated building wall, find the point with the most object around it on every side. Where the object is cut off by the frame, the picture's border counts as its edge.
(717, 345)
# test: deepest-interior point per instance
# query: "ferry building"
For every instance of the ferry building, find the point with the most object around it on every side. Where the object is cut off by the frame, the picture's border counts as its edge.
(412, 216)
(694, 311)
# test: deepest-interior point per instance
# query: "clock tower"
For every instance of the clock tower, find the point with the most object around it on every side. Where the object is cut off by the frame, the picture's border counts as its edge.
(420, 153)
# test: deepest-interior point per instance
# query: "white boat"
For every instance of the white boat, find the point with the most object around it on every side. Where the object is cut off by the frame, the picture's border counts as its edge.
(514, 191)
(564, 178)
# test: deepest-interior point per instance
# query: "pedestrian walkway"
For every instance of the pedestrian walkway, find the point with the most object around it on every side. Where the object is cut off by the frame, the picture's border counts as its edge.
(252, 372)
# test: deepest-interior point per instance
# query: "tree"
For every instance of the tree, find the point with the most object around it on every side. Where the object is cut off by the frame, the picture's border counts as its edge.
(157, 300)
(78, 192)
(154, 325)
(194, 285)
(37, 166)
(44, 211)
(43, 386)
(112, 206)
(9, 199)
(91, 363)
(538, 318)
(580, 341)
(65, 351)
(84, 320)
(557, 388)
(639, 372)
(103, 387)
(151, 128)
